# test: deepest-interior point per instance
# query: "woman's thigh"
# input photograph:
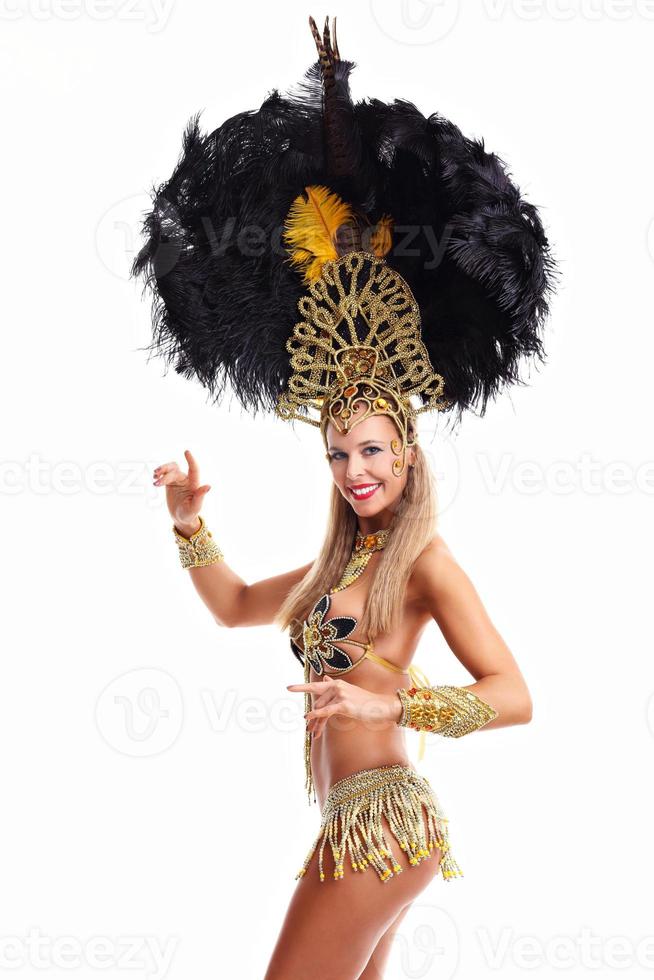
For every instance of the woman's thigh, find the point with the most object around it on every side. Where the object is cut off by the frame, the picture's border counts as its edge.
(376, 965)
(332, 927)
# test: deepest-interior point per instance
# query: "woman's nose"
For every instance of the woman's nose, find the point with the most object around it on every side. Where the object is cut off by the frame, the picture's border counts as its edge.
(354, 468)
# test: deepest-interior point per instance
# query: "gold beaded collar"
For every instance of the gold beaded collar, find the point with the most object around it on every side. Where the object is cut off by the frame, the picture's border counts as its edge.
(364, 547)
(371, 542)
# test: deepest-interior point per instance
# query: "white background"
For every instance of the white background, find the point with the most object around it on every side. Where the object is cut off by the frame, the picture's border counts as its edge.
(181, 822)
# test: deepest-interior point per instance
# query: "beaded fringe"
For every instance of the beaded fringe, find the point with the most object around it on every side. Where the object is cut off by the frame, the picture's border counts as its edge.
(351, 818)
(308, 774)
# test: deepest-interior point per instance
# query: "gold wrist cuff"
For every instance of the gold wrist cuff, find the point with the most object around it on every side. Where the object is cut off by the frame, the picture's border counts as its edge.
(198, 550)
(450, 711)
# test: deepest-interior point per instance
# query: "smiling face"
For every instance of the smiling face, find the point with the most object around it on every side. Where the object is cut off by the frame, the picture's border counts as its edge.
(361, 463)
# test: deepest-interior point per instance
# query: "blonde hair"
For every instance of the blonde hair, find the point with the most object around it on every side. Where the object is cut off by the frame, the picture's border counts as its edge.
(412, 528)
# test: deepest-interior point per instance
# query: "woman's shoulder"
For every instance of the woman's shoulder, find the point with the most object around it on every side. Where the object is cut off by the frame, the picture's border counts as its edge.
(434, 549)
(431, 563)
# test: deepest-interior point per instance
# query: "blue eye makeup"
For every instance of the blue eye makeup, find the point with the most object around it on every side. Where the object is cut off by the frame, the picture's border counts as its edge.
(337, 454)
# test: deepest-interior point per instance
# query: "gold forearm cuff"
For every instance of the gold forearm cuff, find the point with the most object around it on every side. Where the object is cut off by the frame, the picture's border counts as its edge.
(198, 550)
(450, 711)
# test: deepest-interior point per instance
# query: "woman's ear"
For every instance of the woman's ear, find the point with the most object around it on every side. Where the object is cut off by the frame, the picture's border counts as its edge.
(411, 452)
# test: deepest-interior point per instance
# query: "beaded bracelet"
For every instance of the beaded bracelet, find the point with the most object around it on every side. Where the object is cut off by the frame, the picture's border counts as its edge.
(198, 550)
(450, 711)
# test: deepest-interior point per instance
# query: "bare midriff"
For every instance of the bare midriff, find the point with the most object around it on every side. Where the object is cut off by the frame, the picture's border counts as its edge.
(347, 745)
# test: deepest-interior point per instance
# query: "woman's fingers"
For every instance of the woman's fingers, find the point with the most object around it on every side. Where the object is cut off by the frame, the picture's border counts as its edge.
(193, 470)
(316, 723)
(327, 684)
(329, 693)
(172, 474)
(160, 470)
(315, 687)
(325, 711)
(319, 720)
(326, 694)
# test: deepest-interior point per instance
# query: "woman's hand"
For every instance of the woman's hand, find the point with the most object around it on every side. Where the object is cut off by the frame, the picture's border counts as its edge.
(335, 696)
(184, 495)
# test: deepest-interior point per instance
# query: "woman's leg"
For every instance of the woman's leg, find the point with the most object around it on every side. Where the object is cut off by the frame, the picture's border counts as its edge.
(379, 958)
(333, 926)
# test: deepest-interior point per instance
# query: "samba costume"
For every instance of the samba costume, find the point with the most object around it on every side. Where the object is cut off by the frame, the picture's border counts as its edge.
(303, 205)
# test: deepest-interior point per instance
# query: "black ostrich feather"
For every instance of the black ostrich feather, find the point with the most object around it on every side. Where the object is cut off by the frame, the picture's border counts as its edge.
(225, 295)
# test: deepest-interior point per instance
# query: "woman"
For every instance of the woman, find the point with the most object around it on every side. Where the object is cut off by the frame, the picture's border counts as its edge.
(355, 722)
(342, 181)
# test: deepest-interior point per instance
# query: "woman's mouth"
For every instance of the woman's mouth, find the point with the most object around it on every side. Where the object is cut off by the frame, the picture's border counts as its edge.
(362, 491)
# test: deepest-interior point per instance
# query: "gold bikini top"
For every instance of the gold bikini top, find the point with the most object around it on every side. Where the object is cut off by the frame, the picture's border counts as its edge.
(320, 636)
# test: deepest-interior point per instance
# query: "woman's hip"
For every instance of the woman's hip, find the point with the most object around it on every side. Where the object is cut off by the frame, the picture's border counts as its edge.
(369, 811)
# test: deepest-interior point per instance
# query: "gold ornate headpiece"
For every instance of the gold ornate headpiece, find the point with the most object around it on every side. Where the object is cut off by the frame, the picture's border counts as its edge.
(221, 315)
(359, 345)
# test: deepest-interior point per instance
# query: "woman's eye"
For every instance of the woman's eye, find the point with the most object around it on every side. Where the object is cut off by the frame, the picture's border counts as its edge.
(373, 452)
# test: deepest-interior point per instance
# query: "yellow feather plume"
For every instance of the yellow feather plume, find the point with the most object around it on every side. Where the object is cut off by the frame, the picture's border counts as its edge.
(310, 229)
(382, 238)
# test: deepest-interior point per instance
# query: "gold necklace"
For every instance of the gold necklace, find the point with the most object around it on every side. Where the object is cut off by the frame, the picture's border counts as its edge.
(365, 545)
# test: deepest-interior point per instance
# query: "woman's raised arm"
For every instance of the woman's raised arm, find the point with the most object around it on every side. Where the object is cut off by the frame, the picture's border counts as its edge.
(230, 600)
(233, 602)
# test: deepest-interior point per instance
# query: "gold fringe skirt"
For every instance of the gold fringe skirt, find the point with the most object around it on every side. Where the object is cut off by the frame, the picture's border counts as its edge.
(351, 818)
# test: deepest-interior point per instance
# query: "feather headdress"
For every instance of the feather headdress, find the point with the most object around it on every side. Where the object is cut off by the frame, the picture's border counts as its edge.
(415, 262)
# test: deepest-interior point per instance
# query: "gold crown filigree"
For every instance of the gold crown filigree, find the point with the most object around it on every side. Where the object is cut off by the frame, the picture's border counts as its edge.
(359, 346)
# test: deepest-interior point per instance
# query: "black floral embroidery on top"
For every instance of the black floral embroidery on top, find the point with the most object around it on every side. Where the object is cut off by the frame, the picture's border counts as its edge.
(318, 635)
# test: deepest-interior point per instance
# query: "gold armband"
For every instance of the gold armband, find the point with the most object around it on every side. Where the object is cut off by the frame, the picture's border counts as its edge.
(451, 711)
(198, 550)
